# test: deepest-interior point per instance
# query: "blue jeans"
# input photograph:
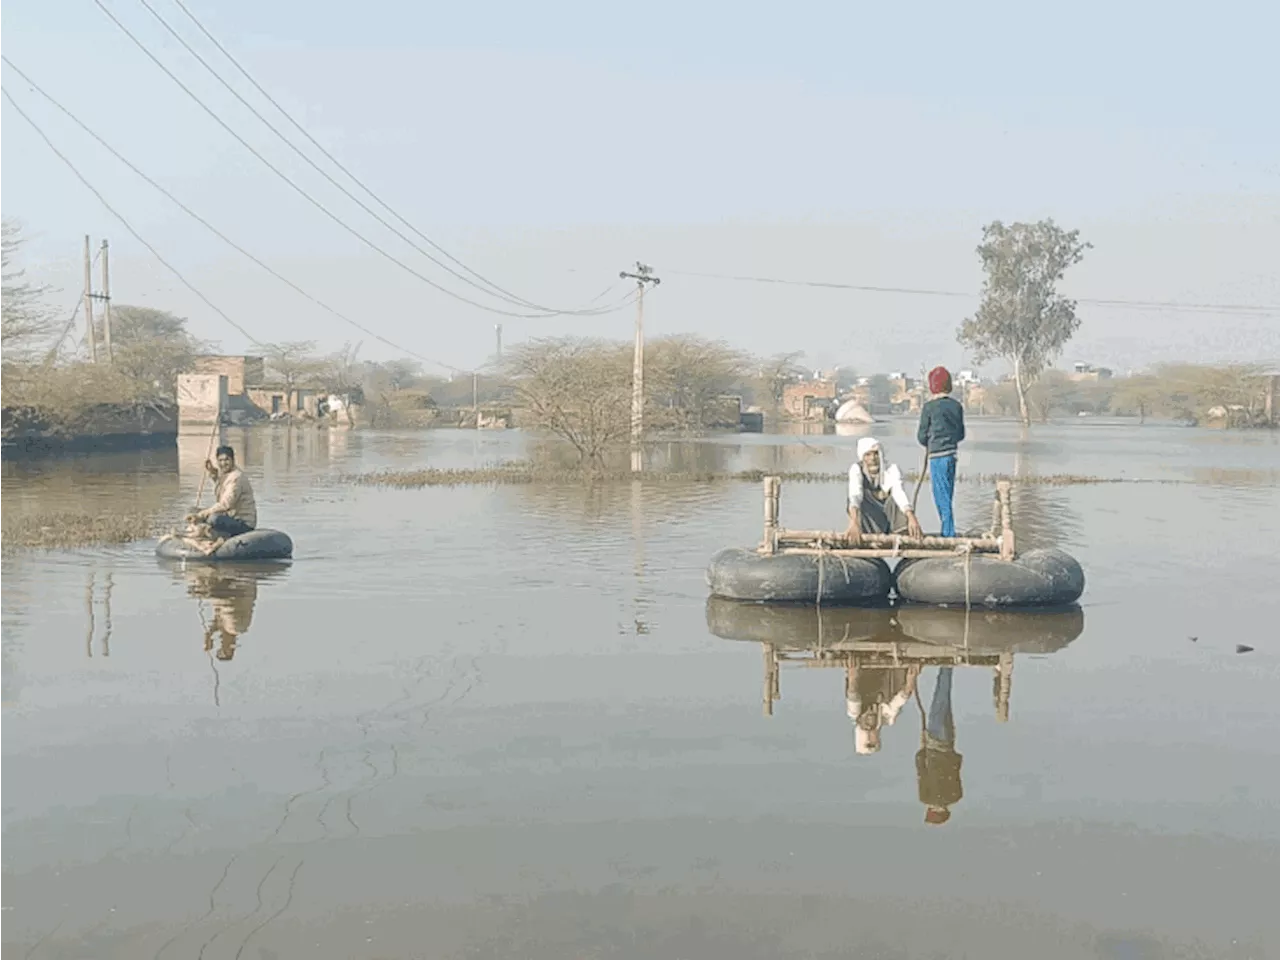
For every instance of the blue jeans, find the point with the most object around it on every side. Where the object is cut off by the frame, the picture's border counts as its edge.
(227, 526)
(940, 725)
(942, 477)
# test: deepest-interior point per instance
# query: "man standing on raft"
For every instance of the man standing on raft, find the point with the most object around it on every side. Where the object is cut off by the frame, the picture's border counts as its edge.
(940, 432)
(877, 501)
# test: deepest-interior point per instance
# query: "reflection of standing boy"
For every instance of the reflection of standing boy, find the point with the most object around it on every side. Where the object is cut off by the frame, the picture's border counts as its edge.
(940, 432)
(937, 763)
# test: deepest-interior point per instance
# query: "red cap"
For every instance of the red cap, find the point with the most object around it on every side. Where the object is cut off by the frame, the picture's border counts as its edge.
(939, 380)
(937, 815)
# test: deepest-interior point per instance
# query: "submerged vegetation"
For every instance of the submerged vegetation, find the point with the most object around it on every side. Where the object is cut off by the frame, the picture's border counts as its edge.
(517, 473)
(66, 531)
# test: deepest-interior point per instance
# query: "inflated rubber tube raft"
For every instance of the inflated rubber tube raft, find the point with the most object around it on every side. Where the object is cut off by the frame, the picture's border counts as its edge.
(828, 568)
(256, 545)
(738, 574)
(981, 632)
(1037, 578)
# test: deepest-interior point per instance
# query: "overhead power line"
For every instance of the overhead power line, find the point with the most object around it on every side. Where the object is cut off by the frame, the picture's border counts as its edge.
(507, 294)
(484, 286)
(124, 221)
(320, 206)
(215, 231)
(1261, 309)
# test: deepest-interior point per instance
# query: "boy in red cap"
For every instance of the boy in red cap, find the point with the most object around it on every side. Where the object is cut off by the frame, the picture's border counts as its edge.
(940, 432)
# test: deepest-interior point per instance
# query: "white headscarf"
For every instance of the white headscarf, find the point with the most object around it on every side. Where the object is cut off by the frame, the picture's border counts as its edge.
(890, 479)
(889, 473)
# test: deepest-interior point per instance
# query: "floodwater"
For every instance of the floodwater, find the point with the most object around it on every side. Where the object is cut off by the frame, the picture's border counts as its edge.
(506, 722)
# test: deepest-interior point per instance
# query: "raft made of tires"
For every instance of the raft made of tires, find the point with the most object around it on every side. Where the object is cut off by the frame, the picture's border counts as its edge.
(260, 544)
(1037, 578)
(738, 574)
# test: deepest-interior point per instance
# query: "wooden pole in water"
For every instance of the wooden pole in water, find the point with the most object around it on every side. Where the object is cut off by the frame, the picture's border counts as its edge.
(772, 498)
(1006, 520)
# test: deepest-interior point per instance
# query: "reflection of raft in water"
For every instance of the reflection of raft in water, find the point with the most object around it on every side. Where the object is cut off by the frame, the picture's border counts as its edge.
(811, 566)
(908, 633)
(256, 545)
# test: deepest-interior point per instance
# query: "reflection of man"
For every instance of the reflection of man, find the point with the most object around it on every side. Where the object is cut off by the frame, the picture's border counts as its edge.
(937, 763)
(873, 698)
(231, 598)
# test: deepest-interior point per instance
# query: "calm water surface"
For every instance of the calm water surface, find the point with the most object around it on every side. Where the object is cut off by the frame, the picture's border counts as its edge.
(505, 722)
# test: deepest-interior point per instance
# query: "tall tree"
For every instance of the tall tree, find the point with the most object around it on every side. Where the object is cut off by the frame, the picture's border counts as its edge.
(152, 346)
(1022, 317)
(26, 321)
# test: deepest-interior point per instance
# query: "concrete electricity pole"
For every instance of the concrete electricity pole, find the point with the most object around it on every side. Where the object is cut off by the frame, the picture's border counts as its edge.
(105, 297)
(497, 329)
(643, 277)
(88, 302)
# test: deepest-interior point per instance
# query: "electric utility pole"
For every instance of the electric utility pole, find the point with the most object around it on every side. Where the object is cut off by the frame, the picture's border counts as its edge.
(643, 277)
(497, 329)
(105, 297)
(88, 302)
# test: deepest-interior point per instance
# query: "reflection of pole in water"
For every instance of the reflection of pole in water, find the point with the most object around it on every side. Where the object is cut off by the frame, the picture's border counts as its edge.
(637, 539)
(88, 603)
(772, 690)
(1003, 683)
(106, 602)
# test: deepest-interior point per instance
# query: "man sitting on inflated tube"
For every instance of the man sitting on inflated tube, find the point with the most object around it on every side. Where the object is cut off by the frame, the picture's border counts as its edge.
(877, 501)
(234, 511)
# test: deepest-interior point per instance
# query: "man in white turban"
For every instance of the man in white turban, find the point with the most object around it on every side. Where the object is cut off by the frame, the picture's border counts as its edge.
(877, 501)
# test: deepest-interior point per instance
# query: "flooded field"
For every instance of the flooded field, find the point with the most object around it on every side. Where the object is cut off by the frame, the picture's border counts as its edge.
(506, 722)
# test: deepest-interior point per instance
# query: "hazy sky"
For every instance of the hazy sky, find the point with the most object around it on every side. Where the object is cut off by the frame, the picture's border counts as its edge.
(551, 145)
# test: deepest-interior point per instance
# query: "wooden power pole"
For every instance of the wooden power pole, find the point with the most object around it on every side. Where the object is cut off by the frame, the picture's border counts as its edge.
(88, 302)
(105, 297)
(643, 277)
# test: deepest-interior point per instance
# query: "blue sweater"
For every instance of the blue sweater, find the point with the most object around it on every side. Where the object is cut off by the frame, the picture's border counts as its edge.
(941, 427)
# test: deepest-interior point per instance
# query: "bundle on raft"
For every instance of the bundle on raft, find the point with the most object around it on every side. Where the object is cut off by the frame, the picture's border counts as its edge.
(911, 632)
(260, 544)
(825, 568)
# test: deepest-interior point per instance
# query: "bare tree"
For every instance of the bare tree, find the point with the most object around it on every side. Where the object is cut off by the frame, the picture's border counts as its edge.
(342, 369)
(293, 362)
(685, 379)
(26, 321)
(152, 346)
(577, 389)
(1022, 317)
(778, 371)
